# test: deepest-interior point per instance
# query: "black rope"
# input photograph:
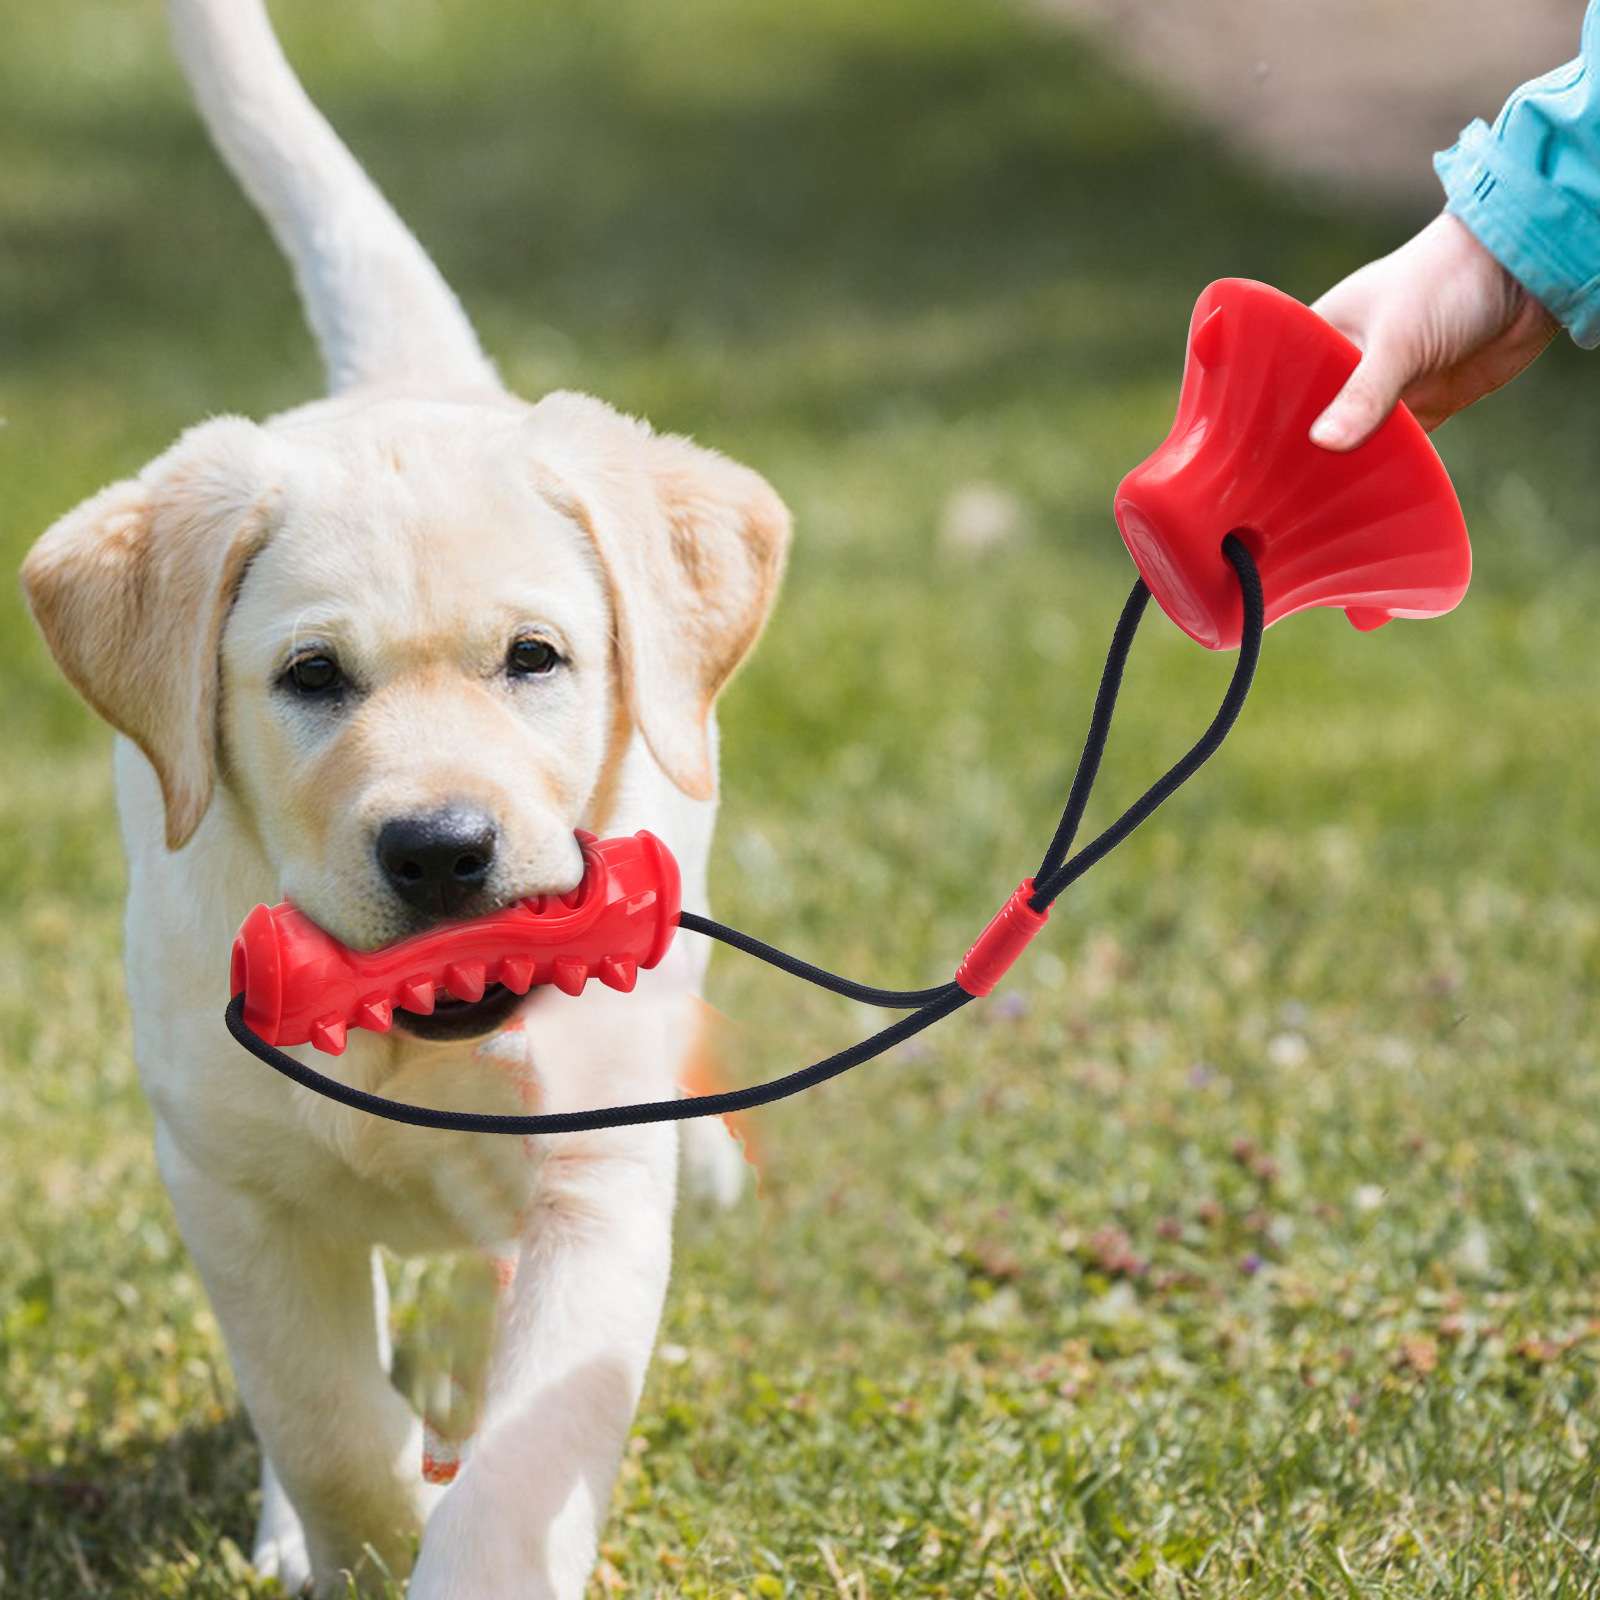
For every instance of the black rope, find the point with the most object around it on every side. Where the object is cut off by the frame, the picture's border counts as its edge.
(1243, 564)
(889, 999)
(924, 1006)
(1094, 743)
(677, 1110)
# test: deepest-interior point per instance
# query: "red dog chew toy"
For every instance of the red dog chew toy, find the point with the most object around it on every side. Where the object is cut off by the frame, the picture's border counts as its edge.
(1377, 530)
(301, 985)
(1237, 520)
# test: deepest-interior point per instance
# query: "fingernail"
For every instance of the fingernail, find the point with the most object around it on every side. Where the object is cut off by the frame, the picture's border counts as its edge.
(1326, 431)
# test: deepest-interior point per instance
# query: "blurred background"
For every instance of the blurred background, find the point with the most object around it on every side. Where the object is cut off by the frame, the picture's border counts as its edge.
(1245, 1245)
(1357, 93)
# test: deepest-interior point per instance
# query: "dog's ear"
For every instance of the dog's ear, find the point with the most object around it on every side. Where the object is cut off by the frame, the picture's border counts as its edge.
(693, 545)
(131, 591)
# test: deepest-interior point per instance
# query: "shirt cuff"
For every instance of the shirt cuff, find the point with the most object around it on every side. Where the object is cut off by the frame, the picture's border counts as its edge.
(1547, 240)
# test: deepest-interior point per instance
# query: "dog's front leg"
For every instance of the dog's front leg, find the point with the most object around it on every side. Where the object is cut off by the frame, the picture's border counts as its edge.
(302, 1323)
(575, 1334)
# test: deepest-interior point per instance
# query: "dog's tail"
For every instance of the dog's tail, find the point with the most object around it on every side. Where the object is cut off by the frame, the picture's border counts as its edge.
(381, 312)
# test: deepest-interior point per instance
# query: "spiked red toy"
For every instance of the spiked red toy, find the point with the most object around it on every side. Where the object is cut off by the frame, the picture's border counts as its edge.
(1377, 530)
(300, 985)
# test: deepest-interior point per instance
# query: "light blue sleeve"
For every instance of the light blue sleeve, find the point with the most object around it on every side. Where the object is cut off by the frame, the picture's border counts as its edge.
(1529, 187)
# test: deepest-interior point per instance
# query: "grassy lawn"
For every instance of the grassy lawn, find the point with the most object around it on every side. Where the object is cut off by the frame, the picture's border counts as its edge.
(1246, 1246)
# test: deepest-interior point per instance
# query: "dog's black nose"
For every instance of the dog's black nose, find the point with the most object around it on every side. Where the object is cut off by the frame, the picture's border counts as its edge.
(438, 861)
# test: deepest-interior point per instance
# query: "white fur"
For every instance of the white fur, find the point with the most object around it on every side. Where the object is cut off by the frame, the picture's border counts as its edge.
(413, 521)
(281, 1198)
(380, 310)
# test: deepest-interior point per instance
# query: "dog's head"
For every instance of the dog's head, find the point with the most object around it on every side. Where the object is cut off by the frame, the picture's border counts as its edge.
(412, 639)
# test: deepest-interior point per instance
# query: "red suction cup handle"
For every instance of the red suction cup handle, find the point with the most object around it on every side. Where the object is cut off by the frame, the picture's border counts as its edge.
(1376, 530)
(300, 985)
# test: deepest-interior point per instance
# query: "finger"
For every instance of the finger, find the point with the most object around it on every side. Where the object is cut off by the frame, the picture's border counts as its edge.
(1348, 304)
(1369, 395)
(1435, 397)
(1340, 306)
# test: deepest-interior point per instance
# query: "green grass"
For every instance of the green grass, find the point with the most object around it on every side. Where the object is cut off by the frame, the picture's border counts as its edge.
(1247, 1247)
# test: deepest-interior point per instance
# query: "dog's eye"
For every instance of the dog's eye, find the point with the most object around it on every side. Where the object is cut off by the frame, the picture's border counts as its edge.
(313, 674)
(532, 658)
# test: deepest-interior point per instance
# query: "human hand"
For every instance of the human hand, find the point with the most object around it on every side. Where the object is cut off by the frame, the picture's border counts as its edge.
(1440, 324)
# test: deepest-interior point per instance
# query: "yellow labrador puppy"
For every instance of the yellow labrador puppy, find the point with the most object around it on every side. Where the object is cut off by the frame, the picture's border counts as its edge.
(382, 655)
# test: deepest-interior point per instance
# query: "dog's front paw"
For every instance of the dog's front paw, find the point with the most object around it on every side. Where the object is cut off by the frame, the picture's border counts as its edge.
(461, 1562)
(474, 1548)
(280, 1547)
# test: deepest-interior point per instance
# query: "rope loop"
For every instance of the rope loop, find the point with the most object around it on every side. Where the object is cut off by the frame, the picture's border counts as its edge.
(1018, 920)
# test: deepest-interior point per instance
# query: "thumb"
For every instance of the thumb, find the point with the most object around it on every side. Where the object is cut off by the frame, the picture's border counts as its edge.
(1368, 396)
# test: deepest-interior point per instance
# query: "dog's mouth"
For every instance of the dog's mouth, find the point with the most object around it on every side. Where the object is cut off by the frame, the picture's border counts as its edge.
(461, 1019)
